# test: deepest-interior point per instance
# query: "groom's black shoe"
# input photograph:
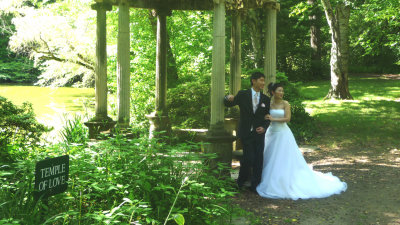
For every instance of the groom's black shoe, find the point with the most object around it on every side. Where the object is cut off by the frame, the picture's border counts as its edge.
(253, 189)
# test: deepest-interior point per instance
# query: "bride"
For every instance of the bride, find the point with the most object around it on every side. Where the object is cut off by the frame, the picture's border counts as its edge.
(285, 172)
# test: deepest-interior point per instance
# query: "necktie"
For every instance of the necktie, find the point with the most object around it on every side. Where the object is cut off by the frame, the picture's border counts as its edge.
(255, 102)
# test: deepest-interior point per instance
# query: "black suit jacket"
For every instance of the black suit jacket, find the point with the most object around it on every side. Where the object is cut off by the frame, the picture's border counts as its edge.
(248, 118)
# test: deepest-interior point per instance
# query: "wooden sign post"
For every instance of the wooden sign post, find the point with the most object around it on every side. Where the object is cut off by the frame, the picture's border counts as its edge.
(51, 177)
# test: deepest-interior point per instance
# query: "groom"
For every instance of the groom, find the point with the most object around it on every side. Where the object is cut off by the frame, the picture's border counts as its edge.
(254, 105)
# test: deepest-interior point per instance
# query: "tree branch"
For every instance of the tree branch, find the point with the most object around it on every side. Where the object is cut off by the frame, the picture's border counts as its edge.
(328, 11)
(49, 55)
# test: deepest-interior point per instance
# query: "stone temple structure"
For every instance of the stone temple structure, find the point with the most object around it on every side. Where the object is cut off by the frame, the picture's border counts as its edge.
(220, 140)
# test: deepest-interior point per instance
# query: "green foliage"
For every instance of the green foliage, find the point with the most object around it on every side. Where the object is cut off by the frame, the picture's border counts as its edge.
(192, 54)
(13, 68)
(301, 123)
(74, 131)
(191, 41)
(293, 38)
(143, 61)
(122, 181)
(375, 37)
(19, 70)
(189, 104)
(66, 53)
(19, 130)
(58, 36)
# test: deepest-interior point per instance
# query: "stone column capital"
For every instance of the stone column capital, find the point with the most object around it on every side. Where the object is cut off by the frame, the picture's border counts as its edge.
(123, 2)
(236, 12)
(163, 12)
(104, 6)
(272, 5)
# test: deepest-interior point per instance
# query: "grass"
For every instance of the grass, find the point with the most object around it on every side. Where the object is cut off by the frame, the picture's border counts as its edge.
(359, 141)
(371, 119)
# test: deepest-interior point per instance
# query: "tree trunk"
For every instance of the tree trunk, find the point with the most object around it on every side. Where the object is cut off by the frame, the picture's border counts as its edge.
(253, 23)
(172, 71)
(339, 26)
(315, 31)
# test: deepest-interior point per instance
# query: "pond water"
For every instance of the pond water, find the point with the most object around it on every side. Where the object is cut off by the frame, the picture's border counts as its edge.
(52, 105)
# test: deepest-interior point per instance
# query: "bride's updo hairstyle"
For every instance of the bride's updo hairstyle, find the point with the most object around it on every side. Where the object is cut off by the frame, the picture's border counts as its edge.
(273, 86)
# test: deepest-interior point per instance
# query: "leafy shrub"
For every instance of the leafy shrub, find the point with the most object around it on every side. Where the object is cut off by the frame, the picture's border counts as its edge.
(18, 71)
(74, 130)
(189, 104)
(138, 181)
(19, 130)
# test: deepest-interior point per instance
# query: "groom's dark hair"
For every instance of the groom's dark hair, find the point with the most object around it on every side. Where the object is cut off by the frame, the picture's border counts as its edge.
(255, 76)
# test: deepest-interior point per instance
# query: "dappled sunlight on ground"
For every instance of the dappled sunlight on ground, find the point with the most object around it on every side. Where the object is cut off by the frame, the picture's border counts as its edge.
(331, 161)
(371, 197)
(358, 141)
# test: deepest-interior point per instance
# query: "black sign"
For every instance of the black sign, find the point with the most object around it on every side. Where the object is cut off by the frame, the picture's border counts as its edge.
(51, 177)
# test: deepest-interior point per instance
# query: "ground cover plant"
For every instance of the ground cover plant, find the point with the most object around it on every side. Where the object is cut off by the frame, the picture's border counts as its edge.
(124, 181)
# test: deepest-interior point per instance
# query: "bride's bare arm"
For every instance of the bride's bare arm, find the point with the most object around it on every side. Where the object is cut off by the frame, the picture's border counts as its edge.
(287, 116)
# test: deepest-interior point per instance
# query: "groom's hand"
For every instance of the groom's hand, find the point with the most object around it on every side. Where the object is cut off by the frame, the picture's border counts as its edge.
(260, 130)
(230, 98)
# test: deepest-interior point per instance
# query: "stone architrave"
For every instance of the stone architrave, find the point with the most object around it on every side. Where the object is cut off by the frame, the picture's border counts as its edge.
(123, 65)
(270, 43)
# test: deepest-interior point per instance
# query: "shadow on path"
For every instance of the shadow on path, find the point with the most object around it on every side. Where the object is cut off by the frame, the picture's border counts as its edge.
(372, 196)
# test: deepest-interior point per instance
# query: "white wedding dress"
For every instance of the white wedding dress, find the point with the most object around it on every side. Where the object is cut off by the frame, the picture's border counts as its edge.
(285, 172)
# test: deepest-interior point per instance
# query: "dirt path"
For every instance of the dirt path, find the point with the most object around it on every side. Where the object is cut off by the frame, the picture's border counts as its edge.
(372, 197)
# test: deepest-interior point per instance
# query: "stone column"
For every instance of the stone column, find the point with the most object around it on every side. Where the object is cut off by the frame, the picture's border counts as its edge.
(101, 121)
(270, 43)
(232, 118)
(123, 65)
(218, 64)
(220, 140)
(159, 120)
(236, 52)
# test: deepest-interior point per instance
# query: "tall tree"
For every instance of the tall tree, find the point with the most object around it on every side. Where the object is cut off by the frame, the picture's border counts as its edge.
(315, 34)
(338, 20)
(60, 43)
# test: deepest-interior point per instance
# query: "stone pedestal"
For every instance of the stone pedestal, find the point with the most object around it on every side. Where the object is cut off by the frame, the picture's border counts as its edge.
(158, 123)
(231, 127)
(219, 142)
(97, 126)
